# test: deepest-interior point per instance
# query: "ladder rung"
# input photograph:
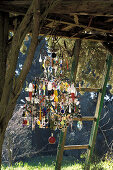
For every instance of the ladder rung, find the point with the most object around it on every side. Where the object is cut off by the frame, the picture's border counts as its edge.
(88, 89)
(85, 118)
(70, 147)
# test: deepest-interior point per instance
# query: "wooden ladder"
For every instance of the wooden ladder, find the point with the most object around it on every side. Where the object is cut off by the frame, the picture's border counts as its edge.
(95, 119)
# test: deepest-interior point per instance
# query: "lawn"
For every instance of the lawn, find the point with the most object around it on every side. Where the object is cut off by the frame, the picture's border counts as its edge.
(48, 163)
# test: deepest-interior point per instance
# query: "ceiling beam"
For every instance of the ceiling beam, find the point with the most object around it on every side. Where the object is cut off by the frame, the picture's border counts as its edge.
(63, 34)
(92, 14)
(82, 26)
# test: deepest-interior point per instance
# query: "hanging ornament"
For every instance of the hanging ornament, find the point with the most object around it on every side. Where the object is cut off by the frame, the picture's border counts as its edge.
(40, 116)
(79, 125)
(40, 59)
(24, 122)
(52, 101)
(52, 139)
(30, 90)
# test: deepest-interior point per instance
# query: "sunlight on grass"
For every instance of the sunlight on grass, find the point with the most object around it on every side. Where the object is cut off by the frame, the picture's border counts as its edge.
(48, 163)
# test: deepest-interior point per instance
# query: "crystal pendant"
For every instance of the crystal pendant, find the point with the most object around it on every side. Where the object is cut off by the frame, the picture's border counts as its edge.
(79, 125)
(40, 59)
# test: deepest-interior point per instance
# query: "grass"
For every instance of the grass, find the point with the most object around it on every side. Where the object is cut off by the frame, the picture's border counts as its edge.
(48, 163)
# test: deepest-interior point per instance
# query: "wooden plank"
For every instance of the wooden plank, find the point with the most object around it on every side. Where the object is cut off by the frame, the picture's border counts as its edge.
(85, 118)
(88, 89)
(67, 28)
(71, 147)
(52, 24)
(16, 3)
(92, 14)
(97, 115)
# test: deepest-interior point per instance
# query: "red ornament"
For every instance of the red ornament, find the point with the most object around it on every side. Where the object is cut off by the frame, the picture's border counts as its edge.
(30, 95)
(52, 139)
(73, 96)
(24, 122)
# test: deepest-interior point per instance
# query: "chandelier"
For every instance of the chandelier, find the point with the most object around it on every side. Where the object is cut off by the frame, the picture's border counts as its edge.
(53, 101)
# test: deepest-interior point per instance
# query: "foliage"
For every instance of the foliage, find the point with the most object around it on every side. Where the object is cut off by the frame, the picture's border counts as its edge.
(92, 61)
(48, 163)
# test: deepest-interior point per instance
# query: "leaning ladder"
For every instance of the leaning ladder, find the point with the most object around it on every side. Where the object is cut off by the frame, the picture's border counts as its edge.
(95, 119)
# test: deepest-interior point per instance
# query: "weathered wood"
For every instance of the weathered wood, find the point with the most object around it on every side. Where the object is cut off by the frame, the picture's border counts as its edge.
(88, 89)
(73, 7)
(71, 147)
(97, 115)
(4, 30)
(85, 118)
(71, 18)
(75, 60)
(96, 14)
(68, 27)
(81, 25)
(60, 150)
(12, 58)
(63, 134)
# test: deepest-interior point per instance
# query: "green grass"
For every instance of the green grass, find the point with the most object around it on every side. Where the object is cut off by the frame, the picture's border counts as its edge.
(48, 163)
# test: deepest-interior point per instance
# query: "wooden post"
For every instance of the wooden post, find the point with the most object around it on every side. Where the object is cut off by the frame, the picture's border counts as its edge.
(60, 150)
(62, 138)
(97, 115)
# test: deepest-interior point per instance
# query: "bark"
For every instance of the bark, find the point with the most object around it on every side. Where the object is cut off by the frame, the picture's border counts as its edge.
(31, 51)
(2, 134)
(75, 59)
(12, 58)
(7, 103)
(1, 142)
(4, 21)
(12, 88)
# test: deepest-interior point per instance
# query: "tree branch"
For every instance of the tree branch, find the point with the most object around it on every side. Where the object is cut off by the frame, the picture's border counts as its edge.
(12, 60)
(31, 51)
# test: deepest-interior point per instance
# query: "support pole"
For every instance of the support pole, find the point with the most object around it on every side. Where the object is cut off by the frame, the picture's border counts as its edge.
(97, 115)
(60, 150)
(62, 137)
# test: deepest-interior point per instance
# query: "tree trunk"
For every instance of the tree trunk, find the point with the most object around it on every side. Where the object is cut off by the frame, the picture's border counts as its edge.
(1, 142)
(4, 21)
(2, 134)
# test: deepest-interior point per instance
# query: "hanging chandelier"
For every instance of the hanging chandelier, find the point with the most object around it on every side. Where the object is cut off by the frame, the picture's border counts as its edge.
(53, 101)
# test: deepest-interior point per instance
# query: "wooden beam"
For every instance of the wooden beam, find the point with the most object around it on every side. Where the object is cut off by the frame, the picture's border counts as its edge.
(82, 26)
(85, 118)
(52, 24)
(47, 32)
(15, 3)
(71, 147)
(75, 60)
(67, 28)
(97, 115)
(109, 20)
(88, 89)
(13, 10)
(92, 14)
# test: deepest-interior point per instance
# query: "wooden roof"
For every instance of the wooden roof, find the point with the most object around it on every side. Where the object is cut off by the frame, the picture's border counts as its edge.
(85, 19)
